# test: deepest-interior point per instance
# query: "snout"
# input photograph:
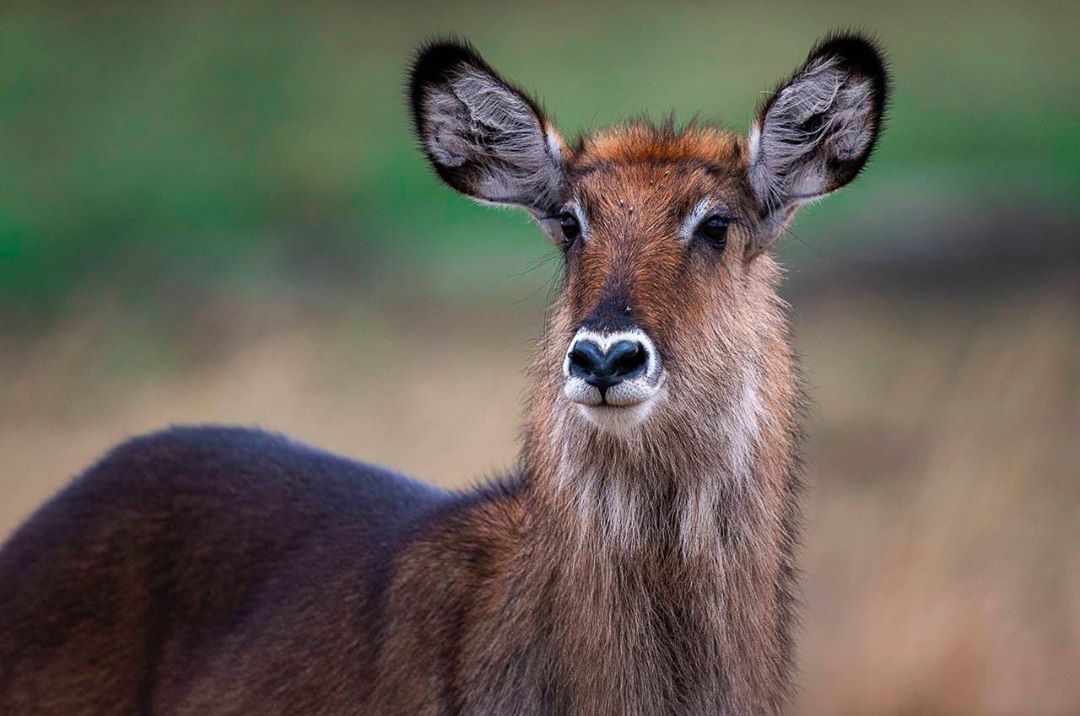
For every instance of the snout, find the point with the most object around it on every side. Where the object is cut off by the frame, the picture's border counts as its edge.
(615, 370)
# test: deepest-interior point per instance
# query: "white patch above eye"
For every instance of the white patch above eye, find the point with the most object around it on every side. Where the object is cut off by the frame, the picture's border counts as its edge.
(574, 207)
(695, 217)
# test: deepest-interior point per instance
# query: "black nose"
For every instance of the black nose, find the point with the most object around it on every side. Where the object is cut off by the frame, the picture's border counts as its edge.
(623, 360)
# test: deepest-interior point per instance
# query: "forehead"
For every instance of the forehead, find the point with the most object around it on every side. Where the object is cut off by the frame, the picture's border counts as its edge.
(657, 165)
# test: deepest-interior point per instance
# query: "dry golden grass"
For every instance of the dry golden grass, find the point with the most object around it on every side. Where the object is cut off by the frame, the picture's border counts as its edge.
(942, 553)
(943, 540)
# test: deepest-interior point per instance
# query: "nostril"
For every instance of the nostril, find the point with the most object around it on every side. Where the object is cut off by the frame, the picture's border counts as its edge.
(623, 360)
(626, 358)
(586, 358)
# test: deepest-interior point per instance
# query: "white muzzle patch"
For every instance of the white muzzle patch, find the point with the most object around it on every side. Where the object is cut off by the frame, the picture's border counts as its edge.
(625, 402)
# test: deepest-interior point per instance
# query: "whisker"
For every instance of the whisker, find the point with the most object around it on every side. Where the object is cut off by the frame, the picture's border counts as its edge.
(807, 244)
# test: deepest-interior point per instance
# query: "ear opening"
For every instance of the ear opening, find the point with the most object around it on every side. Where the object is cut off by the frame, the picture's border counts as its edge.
(483, 136)
(815, 133)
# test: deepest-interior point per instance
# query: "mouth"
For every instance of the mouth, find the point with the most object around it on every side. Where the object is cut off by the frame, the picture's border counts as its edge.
(627, 394)
(619, 407)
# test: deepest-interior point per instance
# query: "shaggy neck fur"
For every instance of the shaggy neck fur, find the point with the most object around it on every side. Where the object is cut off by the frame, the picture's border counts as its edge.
(668, 552)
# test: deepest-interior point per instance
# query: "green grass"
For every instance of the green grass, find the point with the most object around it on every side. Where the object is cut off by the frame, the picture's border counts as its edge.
(185, 146)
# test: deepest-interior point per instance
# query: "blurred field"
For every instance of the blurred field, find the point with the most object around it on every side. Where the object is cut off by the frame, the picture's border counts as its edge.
(943, 533)
(214, 212)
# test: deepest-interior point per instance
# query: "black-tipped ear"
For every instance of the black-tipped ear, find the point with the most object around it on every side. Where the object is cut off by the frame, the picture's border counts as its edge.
(483, 136)
(815, 133)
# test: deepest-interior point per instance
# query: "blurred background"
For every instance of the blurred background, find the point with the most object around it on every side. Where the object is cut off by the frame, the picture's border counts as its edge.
(214, 211)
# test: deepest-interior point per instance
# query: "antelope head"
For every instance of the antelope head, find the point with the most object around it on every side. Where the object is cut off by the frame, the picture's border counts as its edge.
(668, 304)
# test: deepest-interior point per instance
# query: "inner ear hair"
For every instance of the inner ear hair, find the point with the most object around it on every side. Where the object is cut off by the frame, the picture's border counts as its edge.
(815, 133)
(483, 136)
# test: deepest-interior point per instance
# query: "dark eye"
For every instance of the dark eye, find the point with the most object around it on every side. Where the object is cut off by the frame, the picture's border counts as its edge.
(714, 230)
(571, 229)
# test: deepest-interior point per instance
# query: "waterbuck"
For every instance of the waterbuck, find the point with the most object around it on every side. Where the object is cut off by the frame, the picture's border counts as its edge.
(639, 559)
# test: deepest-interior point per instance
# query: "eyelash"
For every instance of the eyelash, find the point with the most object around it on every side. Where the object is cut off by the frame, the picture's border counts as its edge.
(714, 230)
(570, 226)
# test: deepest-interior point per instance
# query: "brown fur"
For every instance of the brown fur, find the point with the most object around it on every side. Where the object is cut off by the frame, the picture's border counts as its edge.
(686, 606)
(641, 572)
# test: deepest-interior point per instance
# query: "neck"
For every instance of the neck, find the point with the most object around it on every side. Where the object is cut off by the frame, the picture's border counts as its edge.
(671, 550)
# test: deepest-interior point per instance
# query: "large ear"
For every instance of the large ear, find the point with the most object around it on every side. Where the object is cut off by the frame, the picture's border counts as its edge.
(814, 134)
(483, 136)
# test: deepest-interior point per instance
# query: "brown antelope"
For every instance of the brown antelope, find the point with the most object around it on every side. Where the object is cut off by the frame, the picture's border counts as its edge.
(639, 560)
